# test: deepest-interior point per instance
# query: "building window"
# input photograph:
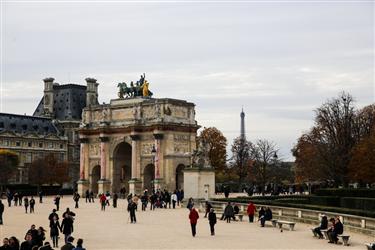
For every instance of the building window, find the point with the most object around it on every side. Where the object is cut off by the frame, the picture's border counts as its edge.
(6, 143)
(18, 144)
(62, 157)
(40, 144)
(50, 145)
(28, 158)
(61, 146)
(29, 144)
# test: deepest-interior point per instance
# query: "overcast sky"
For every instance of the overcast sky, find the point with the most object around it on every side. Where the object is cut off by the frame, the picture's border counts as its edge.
(279, 61)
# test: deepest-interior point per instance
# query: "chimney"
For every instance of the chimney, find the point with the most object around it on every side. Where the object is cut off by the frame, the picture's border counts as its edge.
(48, 97)
(91, 92)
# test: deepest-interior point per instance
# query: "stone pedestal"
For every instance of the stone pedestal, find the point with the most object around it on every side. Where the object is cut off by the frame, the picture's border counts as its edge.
(199, 183)
(104, 186)
(82, 186)
(135, 186)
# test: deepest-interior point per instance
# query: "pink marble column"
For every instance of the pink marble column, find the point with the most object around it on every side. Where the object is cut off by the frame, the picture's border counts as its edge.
(83, 153)
(158, 137)
(103, 157)
(134, 174)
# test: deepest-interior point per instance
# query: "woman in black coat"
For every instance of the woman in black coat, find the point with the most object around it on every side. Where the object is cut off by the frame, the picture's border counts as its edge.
(212, 220)
(262, 216)
(54, 231)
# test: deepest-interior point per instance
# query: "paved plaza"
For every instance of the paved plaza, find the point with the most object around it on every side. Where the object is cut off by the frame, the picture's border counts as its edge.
(163, 229)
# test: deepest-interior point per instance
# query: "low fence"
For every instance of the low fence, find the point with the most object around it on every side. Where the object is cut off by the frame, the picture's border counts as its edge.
(353, 223)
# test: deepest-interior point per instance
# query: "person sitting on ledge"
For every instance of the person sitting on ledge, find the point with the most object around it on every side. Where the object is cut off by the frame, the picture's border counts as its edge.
(268, 214)
(338, 228)
(323, 225)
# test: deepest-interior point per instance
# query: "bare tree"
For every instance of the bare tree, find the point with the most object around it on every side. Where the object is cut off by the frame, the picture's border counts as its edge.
(241, 160)
(264, 157)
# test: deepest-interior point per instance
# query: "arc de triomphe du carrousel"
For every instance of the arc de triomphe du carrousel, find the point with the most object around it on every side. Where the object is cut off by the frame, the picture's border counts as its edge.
(138, 142)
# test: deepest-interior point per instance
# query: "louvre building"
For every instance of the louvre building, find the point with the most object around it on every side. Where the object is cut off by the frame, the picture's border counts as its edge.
(51, 129)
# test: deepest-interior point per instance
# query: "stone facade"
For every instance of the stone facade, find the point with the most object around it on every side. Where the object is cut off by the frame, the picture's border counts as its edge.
(31, 138)
(135, 144)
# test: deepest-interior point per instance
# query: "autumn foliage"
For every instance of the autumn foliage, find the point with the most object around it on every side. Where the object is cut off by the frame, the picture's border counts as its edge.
(48, 170)
(217, 143)
(340, 145)
(8, 165)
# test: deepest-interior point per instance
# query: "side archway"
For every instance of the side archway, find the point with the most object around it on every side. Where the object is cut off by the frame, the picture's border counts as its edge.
(94, 178)
(180, 176)
(148, 177)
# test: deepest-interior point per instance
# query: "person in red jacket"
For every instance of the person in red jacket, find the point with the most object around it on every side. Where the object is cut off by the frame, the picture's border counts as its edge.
(193, 216)
(251, 209)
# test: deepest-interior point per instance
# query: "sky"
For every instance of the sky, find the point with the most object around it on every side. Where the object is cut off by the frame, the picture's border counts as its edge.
(279, 60)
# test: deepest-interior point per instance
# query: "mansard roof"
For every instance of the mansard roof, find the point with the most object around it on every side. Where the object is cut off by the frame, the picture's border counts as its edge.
(68, 102)
(23, 124)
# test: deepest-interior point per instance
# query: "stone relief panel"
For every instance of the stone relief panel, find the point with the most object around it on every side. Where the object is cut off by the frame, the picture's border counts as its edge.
(181, 143)
(94, 149)
(122, 114)
(146, 147)
(179, 112)
(148, 112)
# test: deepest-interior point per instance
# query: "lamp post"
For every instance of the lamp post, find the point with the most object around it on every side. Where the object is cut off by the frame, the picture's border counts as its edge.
(156, 166)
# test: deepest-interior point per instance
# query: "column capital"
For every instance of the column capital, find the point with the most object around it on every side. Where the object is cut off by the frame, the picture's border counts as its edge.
(83, 140)
(104, 138)
(158, 136)
(135, 137)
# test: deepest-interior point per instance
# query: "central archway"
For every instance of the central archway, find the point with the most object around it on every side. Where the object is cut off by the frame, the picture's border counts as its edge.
(122, 160)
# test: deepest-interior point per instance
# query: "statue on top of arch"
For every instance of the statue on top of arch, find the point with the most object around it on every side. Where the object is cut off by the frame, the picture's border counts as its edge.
(138, 89)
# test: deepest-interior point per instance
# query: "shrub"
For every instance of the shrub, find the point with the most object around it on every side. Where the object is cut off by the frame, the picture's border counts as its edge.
(347, 192)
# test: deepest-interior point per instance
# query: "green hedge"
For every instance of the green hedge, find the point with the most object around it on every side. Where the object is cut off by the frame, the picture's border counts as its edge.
(330, 201)
(358, 203)
(346, 192)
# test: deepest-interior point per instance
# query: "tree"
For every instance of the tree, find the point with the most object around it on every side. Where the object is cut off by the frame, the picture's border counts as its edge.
(218, 144)
(326, 151)
(265, 161)
(48, 170)
(241, 160)
(362, 164)
(8, 165)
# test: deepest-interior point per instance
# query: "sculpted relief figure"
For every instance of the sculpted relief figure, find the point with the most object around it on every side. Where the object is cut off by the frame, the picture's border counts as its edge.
(200, 157)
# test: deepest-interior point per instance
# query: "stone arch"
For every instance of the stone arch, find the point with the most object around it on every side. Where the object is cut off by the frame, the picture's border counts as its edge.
(121, 169)
(94, 178)
(148, 177)
(179, 176)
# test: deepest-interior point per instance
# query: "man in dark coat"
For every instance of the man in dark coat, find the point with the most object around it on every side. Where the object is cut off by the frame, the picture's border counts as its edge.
(131, 209)
(69, 244)
(32, 204)
(1, 212)
(34, 234)
(67, 226)
(53, 214)
(193, 216)
(115, 198)
(212, 220)
(228, 212)
(87, 196)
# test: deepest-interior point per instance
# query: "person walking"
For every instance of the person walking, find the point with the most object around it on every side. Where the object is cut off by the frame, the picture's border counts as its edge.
(212, 220)
(57, 202)
(102, 199)
(67, 226)
(55, 228)
(32, 204)
(115, 198)
(251, 209)
(76, 199)
(92, 196)
(131, 209)
(208, 207)
(174, 199)
(40, 196)
(193, 217)
(1, 212)
(228, 212)
(26, 203)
